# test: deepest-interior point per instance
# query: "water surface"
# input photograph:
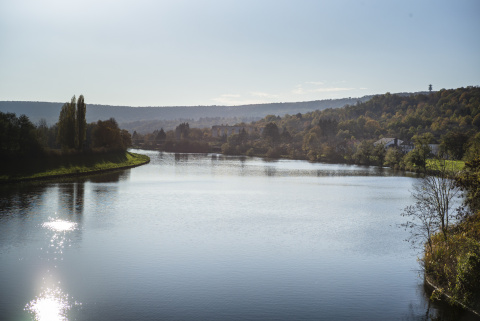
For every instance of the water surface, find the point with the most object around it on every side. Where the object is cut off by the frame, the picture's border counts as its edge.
(209, 237)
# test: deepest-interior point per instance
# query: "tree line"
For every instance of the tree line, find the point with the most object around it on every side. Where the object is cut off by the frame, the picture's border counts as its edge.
(449, 118)
(20, 138)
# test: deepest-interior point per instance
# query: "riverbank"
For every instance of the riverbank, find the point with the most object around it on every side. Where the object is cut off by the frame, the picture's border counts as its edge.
(77, 164)
(433, 288)
(452, 267)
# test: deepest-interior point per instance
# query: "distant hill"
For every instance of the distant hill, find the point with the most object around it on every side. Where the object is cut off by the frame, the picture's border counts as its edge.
(143, 119)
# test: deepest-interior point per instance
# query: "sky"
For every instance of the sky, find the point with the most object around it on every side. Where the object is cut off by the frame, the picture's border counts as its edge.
(233, 52)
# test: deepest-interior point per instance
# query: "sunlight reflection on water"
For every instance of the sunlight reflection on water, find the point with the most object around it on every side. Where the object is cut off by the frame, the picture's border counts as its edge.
(52, 303)
(60, 225)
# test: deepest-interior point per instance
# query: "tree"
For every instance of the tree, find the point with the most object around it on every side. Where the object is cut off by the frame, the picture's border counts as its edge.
(454, 144)
(182, 131)
(469, 181)
(312, 145)
(422, 223)
(393, 157)
(364, 153)
(18, 136)
(476, 121)
(126, 139)
(473, 149)
(434, 196)
(42, 132)
(379, 153)
(67, 126)
(270, 133)
(419, 155)
(81, 122)
(106, 134)
(28, 142)
(161, 136)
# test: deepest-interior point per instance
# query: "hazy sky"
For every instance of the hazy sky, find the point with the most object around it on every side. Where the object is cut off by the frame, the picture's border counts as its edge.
(172, 53)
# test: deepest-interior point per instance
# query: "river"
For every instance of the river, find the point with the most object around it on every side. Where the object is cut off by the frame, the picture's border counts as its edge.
(211, 237)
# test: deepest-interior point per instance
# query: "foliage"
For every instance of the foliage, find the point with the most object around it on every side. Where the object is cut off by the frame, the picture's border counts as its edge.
(454, 144)
(182, 131)
(452, 251)
(347, 134)
(107, 135)
(67, 133)
(393, 158)
(422, 223)
(473, 147)
(469, 180)
(271, 133)
(434, 196)
(454, 266)
(81, 122)
(17, 137)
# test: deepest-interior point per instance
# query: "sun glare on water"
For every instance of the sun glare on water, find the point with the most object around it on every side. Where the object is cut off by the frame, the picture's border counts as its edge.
(60, 225)
(51, 305)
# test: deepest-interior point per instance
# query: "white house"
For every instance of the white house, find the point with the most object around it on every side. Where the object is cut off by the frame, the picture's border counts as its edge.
(404, 146)
(389, 142)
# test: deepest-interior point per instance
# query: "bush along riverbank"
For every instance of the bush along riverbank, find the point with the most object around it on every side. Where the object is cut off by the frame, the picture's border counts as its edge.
(55, 165)
(452, 267)
(451, 257)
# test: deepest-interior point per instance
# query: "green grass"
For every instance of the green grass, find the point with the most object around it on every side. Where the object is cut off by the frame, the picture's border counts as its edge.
(455, 165)
(69, 164)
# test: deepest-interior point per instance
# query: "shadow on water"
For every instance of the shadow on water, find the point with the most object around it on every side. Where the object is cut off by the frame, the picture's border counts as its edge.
(71, 201)
(270, 170)
(20, 197)
(111, 177)
(428, 310)
(181, 157)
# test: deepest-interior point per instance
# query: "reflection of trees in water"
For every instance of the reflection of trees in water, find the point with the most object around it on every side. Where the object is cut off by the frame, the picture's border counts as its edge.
(79, 197)
(111, 177)
(71, 202)
(72, 197)
(270, 170)
(20, 197)
(181, 157)
(426, 310)
(67, 198)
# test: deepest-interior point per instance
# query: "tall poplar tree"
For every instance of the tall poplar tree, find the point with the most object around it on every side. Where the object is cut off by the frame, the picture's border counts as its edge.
(67, 126)
(81, 122)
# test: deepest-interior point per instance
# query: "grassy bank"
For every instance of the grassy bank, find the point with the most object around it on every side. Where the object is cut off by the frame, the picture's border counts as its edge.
(453, 165)
(59, 165)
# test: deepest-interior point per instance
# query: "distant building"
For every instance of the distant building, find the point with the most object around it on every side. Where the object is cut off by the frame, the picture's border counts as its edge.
(404, 146)
(435, 148)
(389, 142)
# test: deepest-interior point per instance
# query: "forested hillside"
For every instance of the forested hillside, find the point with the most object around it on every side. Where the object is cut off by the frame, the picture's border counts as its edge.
(448, 118)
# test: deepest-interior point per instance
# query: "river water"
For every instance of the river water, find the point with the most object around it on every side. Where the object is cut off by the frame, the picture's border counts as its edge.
(210, 237)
